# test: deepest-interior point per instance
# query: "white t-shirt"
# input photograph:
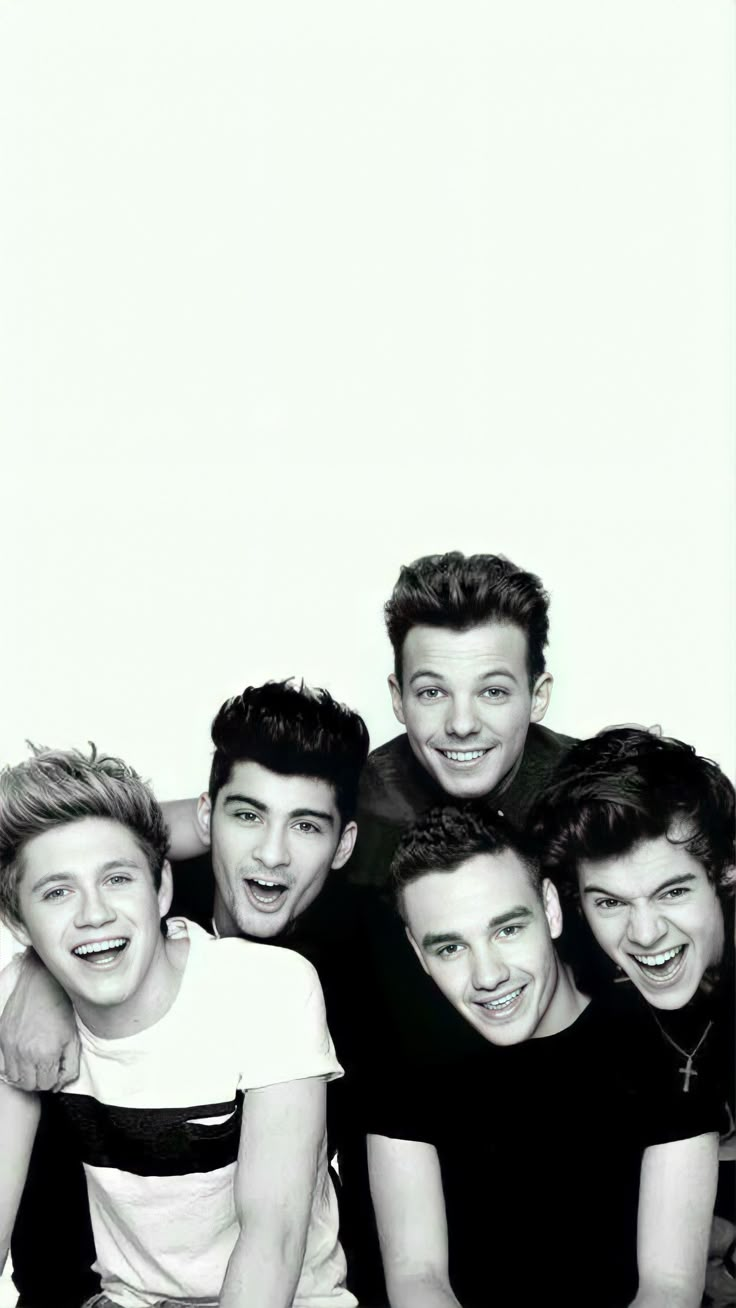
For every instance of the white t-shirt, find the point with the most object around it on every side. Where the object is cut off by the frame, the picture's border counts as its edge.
(158, 1117)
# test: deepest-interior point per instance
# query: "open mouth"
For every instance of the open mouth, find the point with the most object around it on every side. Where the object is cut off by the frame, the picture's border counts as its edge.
(663, 968)
(268, 896)
(463, 757)
(498, 1010)
(101, 953)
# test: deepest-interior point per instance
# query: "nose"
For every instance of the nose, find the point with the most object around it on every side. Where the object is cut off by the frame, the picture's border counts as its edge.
(462, 716)
(272, 849)
(645, 925)
(489, 968)
(94, 909)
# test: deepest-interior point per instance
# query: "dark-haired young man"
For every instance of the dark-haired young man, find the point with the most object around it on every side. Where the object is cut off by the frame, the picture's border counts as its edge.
(279, 815)
(516, 1176)
(202, 1137)
(637, 832)
(471, 688)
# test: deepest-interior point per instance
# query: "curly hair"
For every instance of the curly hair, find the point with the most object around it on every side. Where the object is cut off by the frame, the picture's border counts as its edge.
(626, 785)
(446, 837)
(293, 730)
(55, 787)
(459, 592)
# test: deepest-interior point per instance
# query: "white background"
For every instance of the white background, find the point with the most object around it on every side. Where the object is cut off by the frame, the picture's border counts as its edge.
(293, 293)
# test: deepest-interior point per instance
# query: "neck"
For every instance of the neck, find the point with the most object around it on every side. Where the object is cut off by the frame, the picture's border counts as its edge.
(565, 1006)
(151, 1000)
(222, 917)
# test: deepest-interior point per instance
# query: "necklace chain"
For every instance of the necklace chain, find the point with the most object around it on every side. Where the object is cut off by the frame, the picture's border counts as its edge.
(688, 1070)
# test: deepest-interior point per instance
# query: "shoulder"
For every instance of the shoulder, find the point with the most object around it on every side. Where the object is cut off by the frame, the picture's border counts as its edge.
(394, 788)
(542, 742)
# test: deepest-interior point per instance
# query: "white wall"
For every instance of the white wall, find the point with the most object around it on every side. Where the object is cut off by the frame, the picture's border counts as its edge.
(293, 293)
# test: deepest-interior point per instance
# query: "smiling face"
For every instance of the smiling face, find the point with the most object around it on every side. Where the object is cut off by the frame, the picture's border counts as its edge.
(466, 704)
(656, 914)
(486, 937)
(91, 912)
(274, 840)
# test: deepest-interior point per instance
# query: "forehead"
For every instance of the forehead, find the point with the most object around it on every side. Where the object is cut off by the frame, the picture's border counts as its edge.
(641, 870)
(80, 846)
(463, 901)
(474, 652)
(280, 794)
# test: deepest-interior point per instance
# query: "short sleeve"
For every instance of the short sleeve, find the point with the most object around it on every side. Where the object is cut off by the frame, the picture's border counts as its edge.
(397, 1101)
(285, 1036)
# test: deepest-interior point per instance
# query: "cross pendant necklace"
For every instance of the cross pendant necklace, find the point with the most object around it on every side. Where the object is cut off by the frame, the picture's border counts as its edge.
(688, 1071)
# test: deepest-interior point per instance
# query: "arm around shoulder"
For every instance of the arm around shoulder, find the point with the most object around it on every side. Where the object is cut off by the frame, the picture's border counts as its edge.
(406, 1185)
(39, 1044)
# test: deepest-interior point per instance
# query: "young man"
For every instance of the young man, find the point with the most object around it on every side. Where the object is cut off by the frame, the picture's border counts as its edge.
(279, 815)
(637, 832)
(514, 1176)
(199, 1105)
(471, 688)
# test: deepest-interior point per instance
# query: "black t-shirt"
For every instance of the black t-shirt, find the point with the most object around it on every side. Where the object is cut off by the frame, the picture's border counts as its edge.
(395, 790)
(540, 1147)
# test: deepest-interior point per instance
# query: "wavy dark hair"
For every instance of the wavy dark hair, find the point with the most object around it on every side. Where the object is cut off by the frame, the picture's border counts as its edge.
(458, 591)
(56, 787)
(447, 836)
(626, 785)
(295, 730)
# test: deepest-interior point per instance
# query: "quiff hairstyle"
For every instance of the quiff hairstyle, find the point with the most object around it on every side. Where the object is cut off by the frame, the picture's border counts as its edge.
(459, 592)
(446, 837)
(294, 730)
(627, 785)
(56, 787)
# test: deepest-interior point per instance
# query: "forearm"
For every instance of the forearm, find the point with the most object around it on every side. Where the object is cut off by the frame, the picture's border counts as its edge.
(264, 1269)
(185, 836)
(668, 1296)
(420, 1290)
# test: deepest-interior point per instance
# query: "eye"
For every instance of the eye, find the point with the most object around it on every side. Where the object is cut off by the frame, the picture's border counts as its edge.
(118, 879)
(448, 952)
(675, 892)
(608, 903)
(306, 827)
(246, 816)
(429, 693)
(509, 932)
(58, 892)
(495, 692)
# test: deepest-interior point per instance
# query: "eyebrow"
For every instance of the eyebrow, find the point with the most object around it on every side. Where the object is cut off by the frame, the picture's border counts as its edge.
(482, 676)
(671, 881)
(453, 938)
(295, 812)
(110, 866)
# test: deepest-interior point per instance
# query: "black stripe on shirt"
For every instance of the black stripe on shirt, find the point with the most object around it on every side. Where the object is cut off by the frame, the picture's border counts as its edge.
(151, 1141)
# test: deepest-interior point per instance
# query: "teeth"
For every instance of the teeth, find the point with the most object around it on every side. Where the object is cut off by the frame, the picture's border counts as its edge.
(507, 999)
(656, 960)
(268, 885)
(463, 755)
(98, 947)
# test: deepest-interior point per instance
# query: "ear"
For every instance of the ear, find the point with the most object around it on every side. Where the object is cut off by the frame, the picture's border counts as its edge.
(204, 818)
(541, 697)
(18, 930)
(166, 889)
(395, 689)
(552, 908)
(345, 845)
(416, 949)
